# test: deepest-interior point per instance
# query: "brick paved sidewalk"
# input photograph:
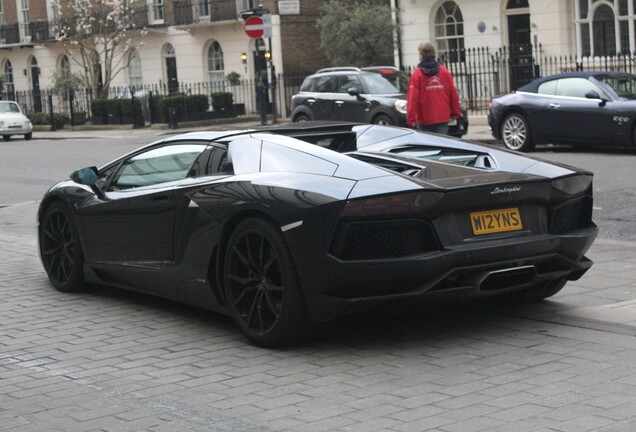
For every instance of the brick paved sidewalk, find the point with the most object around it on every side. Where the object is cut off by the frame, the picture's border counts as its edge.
(113, 361)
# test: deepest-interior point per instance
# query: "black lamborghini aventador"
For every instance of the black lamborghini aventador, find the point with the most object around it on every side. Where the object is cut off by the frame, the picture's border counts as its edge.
(288, 227)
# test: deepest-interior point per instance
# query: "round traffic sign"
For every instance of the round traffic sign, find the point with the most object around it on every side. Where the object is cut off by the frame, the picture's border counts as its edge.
(254, 27)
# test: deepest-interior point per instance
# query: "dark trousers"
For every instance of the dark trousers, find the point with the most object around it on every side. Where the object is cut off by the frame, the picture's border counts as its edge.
(440, 128)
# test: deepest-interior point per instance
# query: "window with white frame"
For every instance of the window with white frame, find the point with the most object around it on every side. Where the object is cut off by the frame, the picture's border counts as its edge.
(65, 65)
(243, 5)
(2, 22)
(216, 73)
(24, 19)
(605, 27)
(202, 10)
(9, 86)
(155, 11)
(135, 78)
(449, 31)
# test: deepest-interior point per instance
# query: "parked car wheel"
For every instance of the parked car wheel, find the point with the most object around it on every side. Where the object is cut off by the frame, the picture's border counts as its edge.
(383, 119)
(61, 250)
(301, 118)
(28, 136)
(261, 286)
(515, 133)
(6, 137)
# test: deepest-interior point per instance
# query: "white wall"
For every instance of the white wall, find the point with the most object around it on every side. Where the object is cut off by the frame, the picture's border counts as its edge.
(553, 25)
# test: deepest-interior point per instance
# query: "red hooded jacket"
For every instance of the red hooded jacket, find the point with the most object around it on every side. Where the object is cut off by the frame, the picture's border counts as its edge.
(431, 98)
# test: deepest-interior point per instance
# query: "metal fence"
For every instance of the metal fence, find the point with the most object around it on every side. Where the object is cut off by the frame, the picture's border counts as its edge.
(76, 105)
(479, 73)
(482, 73)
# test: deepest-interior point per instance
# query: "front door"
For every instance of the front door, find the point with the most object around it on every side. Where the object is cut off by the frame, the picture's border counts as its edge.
(35, 85)
(171, 74)
(521, 65)
(133, 227)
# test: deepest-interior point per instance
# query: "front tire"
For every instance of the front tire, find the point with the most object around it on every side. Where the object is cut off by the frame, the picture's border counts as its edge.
(301, 118)
(515, 133)
(261, 286)
(28, 136)
(6, 137)
(383, 119)
(61, 249)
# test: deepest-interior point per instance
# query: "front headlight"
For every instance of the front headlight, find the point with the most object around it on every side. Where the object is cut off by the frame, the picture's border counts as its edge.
(400, 106)
(27, 124)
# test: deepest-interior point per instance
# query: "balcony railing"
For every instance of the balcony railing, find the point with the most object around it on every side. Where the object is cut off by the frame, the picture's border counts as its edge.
(190, 12)
(9, 34)
(47, 31)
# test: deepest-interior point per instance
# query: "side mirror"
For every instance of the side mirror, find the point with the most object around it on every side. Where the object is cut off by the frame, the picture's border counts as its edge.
(355, 92)
(85, 176)
(594, 95)
(88, 177)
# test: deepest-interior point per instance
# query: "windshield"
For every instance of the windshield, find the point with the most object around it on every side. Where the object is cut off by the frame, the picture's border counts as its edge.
(623, 85)
(9, 107)
(398, 79)
(375, 83)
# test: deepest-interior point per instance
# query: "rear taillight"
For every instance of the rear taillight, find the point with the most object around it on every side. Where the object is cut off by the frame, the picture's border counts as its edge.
(390, 204)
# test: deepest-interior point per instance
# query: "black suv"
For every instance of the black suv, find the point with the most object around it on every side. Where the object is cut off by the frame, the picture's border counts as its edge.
(374, 94)
(351, 94)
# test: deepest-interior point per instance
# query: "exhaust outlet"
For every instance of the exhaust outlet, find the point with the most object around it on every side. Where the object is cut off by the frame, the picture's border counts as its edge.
(508, 278)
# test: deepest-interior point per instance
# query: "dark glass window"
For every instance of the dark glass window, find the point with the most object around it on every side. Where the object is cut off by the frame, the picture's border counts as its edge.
(604, 31)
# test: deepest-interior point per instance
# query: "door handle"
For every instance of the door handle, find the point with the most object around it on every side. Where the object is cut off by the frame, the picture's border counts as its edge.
(311, 101)
(339, 103)
(554, 105)
(160, 198)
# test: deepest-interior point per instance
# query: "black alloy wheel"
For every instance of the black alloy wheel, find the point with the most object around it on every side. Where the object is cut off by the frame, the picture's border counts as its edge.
(261, 286)
(60, 249)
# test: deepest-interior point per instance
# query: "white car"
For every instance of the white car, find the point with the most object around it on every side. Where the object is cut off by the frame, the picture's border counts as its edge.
(13, 122)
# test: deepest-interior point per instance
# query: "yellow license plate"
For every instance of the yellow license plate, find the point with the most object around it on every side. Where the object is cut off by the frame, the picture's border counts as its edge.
(494, 221)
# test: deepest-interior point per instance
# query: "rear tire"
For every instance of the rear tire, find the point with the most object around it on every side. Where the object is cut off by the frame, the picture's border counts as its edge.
(61, 249)
(301, 118)
(515, 133)
(261, 286)
(6, 137)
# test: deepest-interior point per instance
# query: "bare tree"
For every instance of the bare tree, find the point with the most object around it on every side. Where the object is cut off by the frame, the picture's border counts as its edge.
(98, 35)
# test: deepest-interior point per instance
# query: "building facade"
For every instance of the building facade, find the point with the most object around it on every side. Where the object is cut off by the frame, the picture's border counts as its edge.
(202, 41)
(561, 27)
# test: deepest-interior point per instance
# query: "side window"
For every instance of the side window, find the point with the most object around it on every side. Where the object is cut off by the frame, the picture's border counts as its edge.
(308, 85)
(158, 165)
(218, 162)
(325, 84)
(348, 81)
(576, 87)
(548, 88)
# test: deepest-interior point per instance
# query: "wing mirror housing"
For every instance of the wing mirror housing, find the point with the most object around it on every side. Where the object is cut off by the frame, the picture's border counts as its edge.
(85, 176)
(594, 95)
(88, 177)
(355, 92)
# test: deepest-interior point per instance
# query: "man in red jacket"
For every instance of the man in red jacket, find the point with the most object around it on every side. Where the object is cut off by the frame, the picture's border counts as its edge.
(432, 98)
